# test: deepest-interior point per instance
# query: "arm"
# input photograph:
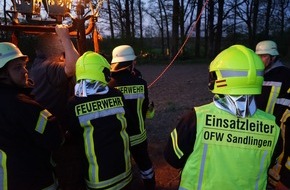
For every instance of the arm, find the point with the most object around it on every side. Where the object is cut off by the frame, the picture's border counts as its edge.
(41, 126)
(181, 141)
(71, 54)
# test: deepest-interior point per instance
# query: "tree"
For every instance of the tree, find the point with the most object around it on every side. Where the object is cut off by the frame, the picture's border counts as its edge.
(268, 15)
(140, 20)
(219, 27)
(111, 21)
(210, 31)
(175, 27)
(197, 41)
(127, 21)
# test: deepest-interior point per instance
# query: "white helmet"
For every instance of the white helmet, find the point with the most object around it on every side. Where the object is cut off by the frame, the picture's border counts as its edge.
(267, 47)
(8, 52)
(123, 53)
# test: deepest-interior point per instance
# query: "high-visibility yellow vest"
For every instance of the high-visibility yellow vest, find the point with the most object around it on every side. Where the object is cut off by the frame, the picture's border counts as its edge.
(229, 152)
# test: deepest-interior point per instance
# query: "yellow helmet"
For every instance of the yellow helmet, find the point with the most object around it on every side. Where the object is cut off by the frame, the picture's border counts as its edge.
(93, 66)
(8, 52)
(236, 71)
(123, 57)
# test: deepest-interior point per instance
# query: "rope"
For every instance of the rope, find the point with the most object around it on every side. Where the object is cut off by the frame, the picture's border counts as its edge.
(182, 46)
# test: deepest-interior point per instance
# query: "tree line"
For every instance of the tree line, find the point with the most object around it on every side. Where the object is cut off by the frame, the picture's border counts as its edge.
(210, 25)
(193, 28)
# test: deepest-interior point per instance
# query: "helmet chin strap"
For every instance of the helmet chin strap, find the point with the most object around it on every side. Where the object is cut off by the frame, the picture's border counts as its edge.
(132, 68)
(240, 106)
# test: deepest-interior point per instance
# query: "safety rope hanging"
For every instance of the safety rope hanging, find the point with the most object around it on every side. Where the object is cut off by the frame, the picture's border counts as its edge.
(181, 48)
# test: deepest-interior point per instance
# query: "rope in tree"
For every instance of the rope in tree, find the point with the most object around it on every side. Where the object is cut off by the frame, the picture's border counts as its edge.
(182, 46)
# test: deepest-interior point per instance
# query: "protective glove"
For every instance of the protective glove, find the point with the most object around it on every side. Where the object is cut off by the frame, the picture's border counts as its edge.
(150, 111)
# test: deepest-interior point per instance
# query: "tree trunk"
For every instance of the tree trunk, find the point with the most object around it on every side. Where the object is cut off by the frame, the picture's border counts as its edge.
(161, 25)
(127, 21)
(197, 42)
(141, 21)
(167, 28)
(219, 33)
(205, 34)
(132, 23)
(181, 20)
(267, 19)
(111, 21)
(284, 4)
(175, 27)
(254, 21)
(210, 29)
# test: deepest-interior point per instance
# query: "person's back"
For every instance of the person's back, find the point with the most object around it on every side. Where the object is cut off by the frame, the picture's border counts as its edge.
(28, 132)
(52, 87)
(229, 143)
(129, 81)
(230, 152)
(53, 74)
(275, 99)
(135, 92)
(97, 119)
(53, 71)
(276, 82)
(279, 173)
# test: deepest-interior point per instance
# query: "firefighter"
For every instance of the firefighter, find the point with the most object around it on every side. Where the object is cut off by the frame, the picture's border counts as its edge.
(276, 80)
(129, 81)
(53, 70)
(28, 132)
(228, 143)
(279, 174)
(53, 73)
(97, 119)
(275, 99)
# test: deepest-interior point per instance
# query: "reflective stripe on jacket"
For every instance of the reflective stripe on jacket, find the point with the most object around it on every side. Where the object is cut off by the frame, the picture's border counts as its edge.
(135, 93)
(230, 152)
(100, 124)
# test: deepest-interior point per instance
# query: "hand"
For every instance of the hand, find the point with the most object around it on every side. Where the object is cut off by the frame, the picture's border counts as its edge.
(62, 31)
(150, 111)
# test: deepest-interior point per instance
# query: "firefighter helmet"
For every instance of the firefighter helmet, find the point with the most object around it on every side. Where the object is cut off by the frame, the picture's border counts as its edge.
(267, 47)
(92, 66)
(123, 57)
(236, 71)
(8, 52)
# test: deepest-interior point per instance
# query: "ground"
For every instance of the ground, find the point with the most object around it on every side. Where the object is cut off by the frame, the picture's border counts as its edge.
(180, 88)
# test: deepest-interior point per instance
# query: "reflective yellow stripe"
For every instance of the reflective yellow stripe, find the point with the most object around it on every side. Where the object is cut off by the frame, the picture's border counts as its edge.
(3, 171)
(137, 139)
(274, 93)
(42, 120)
(90, 151)
(93, 171)
(120, 181)
(140, 115)
(174, 139)
(125, 138)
